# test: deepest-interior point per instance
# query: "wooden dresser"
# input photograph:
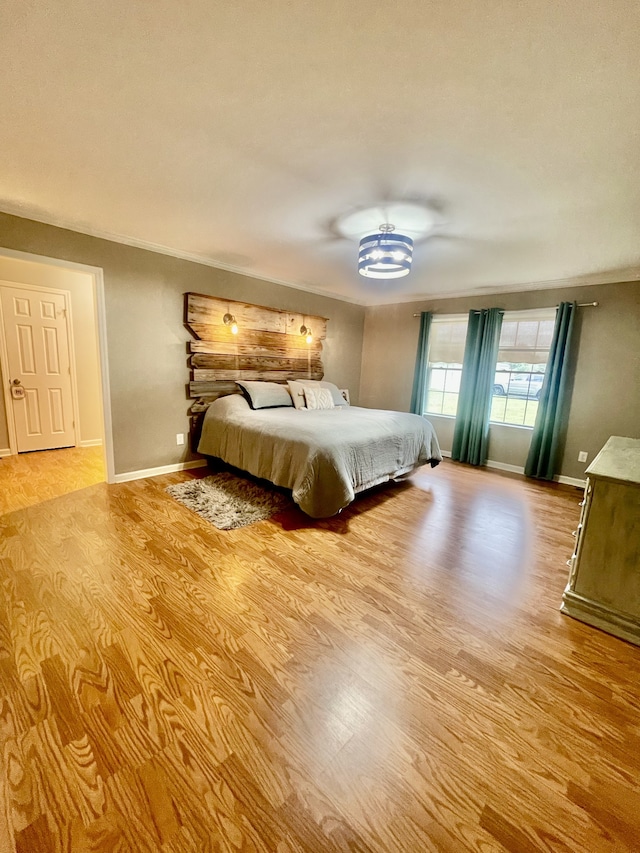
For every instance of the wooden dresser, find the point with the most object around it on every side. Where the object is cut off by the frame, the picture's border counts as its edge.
(604, 578)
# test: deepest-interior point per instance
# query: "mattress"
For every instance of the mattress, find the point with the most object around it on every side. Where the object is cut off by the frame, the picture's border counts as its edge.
(325, 457)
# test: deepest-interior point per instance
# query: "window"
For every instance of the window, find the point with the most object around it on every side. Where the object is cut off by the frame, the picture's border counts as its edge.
(525, 340)
(446, 351)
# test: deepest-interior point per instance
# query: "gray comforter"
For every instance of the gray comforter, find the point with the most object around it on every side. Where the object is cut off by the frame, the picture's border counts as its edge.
(325, 456)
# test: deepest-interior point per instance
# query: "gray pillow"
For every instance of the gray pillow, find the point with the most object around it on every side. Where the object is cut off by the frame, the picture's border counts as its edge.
(265, 395)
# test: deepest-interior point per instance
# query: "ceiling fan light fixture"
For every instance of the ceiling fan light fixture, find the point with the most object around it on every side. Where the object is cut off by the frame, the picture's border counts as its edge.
(385, 254)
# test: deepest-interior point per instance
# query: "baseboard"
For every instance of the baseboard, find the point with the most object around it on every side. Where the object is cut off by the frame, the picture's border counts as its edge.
(500, 466)
(92, 442)
(156, 472)
(518, 469)
(571, 481)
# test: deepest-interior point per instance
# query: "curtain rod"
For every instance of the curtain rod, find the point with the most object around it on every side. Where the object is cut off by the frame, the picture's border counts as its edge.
(578, 305)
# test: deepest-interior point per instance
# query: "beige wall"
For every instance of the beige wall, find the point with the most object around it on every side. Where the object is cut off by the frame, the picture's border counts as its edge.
(147, 340)
(604, 397)
(144, 293)
(85, 341)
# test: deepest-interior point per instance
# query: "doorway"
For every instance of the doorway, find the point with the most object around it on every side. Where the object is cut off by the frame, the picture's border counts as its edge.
(54, 341)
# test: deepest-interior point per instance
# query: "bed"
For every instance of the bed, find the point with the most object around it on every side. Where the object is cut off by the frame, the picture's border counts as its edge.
(324, 456)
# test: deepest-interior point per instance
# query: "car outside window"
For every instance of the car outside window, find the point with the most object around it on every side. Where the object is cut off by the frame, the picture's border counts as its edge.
(523, 352)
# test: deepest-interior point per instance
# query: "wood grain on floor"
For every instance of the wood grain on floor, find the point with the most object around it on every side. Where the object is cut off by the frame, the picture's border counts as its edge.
(397, 678)
(27, 479)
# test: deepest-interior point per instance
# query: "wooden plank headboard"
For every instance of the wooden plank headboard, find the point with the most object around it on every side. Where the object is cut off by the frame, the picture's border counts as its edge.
(268, 346)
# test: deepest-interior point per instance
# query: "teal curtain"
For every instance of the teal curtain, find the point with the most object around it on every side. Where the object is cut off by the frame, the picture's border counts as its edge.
(471, 433)
(543, 452)
(419, 393)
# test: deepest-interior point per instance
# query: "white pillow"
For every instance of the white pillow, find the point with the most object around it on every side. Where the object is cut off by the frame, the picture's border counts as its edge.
(338, 399)
(318, 398)
(265, 395)
(296, 389)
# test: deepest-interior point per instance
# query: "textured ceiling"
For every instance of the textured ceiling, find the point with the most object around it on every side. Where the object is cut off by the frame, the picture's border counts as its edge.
(244, 133)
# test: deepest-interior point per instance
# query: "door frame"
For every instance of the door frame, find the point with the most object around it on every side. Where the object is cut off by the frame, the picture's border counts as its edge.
(97, 277)
(4, 362)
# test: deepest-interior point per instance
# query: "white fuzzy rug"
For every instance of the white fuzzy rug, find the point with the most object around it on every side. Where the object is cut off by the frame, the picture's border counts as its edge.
(228, 501)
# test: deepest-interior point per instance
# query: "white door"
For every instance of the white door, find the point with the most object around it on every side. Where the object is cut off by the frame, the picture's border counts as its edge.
(39, 367)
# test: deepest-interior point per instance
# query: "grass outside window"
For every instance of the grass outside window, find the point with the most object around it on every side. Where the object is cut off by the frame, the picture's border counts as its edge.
(512, 411)
(504, 410)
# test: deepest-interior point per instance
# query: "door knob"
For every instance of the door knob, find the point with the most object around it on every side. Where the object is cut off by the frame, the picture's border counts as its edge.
(17, 390)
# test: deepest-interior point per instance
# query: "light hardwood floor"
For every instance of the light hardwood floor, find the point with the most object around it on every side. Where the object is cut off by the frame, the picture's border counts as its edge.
(30, 478)
(398, 678)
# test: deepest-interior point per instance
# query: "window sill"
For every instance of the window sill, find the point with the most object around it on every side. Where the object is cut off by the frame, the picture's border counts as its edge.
(435, 415)
(511, 426)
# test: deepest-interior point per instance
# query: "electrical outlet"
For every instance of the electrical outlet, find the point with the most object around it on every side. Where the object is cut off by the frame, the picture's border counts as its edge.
(180, 438)
(583, 456)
